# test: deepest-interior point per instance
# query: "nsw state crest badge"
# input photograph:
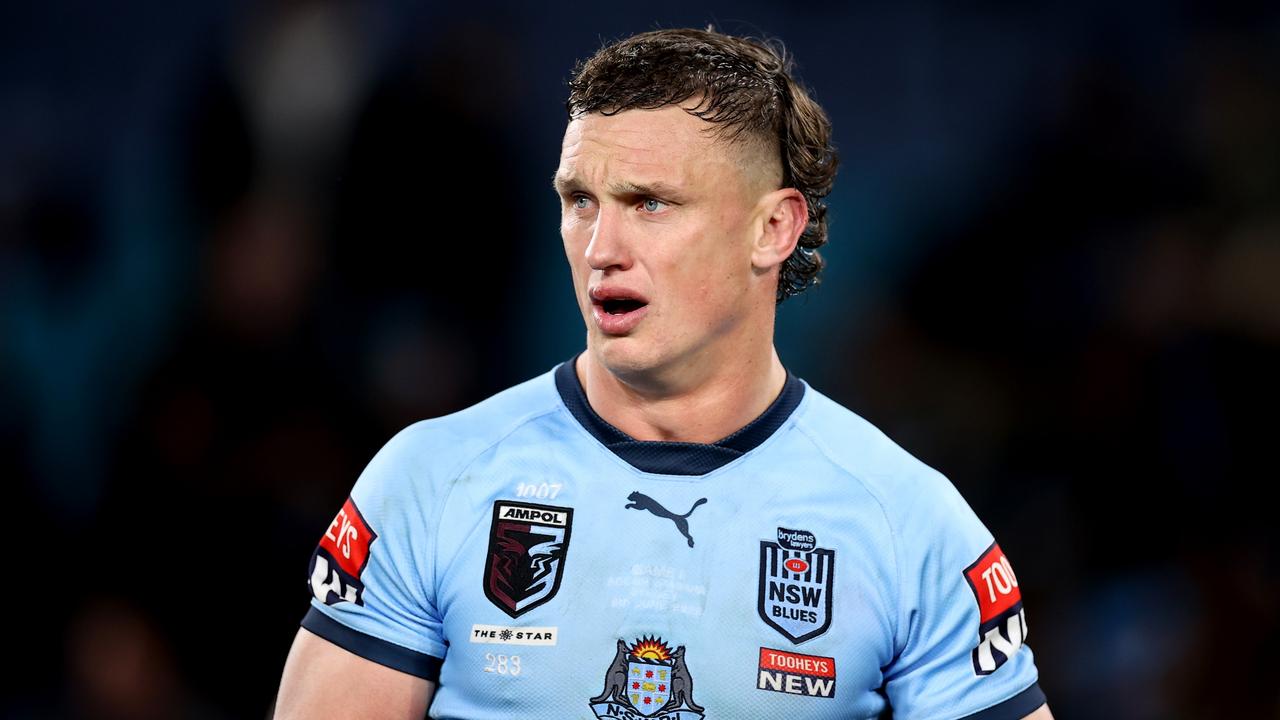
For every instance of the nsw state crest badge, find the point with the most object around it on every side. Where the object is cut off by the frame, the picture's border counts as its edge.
(647, 679)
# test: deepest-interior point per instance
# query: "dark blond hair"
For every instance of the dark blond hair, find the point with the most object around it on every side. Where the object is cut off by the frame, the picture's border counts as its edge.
(747, 88)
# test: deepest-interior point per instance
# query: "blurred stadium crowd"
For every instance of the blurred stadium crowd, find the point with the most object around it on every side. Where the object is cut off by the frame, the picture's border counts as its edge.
(243, 244)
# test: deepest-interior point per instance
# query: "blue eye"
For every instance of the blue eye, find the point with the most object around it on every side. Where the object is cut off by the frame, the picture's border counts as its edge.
(652, 205)
(580, 202)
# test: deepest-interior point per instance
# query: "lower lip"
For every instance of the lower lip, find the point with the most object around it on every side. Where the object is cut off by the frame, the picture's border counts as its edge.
(620, 324)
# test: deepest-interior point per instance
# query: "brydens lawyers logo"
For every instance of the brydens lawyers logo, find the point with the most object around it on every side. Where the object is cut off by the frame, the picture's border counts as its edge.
(796, 674)
(1003, 624)
(796, 580)
(340, 558)
(525, 561)
(647, 679)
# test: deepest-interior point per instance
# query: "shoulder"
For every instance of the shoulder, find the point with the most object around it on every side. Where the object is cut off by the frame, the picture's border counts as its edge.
(429, 452)
(910, 492)
(863, 450)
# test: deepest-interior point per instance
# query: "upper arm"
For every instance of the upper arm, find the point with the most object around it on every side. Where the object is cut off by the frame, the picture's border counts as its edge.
(960, 643)
(373, 634)
(322, 680)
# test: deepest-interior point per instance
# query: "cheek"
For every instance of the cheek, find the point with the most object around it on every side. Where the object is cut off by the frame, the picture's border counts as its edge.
(699, 294)
(575, 244)
(710, 268)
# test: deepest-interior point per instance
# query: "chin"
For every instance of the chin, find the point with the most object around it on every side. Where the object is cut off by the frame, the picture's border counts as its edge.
(625, 356)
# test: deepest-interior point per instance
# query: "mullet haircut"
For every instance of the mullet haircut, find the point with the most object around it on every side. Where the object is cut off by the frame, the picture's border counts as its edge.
(747, 89)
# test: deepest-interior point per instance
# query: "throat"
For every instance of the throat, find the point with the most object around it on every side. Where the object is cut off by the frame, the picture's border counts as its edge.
(702, 414)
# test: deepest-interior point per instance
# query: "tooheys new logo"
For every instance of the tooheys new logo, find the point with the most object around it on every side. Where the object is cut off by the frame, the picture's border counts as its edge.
(1003, 625)
(340, 558)
(796, 580)
(796, 674)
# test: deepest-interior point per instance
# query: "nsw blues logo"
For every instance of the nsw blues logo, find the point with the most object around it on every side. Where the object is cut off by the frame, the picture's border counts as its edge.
(647, 679)
(796, 579)
(525, 562)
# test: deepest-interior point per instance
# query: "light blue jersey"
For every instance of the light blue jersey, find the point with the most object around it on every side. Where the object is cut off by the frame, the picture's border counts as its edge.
(536, 562)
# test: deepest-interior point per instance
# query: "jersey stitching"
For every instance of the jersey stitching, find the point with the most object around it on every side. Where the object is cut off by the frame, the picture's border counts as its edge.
(373, 631)
(577, 426)
(898, 616)
(998, 703)
(893, 533)
(773, 438)
(416, 487)
(456, 474)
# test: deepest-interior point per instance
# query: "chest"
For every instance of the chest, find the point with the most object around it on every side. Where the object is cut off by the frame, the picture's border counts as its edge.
(605, 595)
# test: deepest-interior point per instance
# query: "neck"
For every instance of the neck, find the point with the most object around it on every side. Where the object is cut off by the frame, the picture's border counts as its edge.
(703, 405)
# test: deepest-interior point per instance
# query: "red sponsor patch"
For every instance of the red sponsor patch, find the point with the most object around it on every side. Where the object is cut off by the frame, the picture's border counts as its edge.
(347, 539)
(795, 674)
(790, 662)
(993, 583)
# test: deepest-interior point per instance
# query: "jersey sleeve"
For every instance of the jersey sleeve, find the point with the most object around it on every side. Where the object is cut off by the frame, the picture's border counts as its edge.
(961, 649)
(371, 575)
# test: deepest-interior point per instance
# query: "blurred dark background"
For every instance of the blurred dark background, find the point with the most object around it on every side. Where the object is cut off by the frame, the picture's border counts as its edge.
(243, 244)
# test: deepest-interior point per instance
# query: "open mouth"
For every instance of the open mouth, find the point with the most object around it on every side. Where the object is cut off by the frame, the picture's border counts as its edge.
(621, 306)
(617, 311)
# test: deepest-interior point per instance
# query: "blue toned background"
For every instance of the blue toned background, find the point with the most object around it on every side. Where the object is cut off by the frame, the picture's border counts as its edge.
(242, 244)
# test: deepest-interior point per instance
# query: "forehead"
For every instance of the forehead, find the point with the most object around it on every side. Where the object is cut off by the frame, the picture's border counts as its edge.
(667, 143)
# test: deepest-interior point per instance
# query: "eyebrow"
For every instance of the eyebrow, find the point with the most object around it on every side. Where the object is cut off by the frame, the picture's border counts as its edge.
(567, 185)
(655, 189)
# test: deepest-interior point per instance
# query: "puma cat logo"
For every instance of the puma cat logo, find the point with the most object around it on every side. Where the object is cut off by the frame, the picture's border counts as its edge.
(640, 501)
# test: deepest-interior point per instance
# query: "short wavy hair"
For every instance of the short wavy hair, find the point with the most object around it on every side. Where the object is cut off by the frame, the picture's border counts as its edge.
(747, 87)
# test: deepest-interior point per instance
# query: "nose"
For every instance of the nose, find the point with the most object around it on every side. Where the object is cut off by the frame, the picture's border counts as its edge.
(608, 246)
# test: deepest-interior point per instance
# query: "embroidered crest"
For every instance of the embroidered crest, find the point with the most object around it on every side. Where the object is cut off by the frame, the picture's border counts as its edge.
(647, 679)
(796, 581)
(525, 562)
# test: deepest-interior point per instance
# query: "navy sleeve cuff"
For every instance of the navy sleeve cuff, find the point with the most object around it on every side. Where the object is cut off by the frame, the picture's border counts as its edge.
(368, 647)
(1015, 708)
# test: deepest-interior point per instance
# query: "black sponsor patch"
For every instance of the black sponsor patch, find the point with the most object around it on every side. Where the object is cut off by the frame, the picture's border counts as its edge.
(525, 561)
(796, 539)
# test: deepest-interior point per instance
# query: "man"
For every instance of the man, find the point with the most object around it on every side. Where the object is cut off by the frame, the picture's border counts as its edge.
(670, 525)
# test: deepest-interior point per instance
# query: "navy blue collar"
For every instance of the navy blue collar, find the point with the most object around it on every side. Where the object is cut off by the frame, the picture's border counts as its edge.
(676, 458)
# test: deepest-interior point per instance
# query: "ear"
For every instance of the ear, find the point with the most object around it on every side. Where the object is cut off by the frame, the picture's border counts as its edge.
(784, 214)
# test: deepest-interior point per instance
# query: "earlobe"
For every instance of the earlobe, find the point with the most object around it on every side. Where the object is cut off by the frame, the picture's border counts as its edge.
(785, 214)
